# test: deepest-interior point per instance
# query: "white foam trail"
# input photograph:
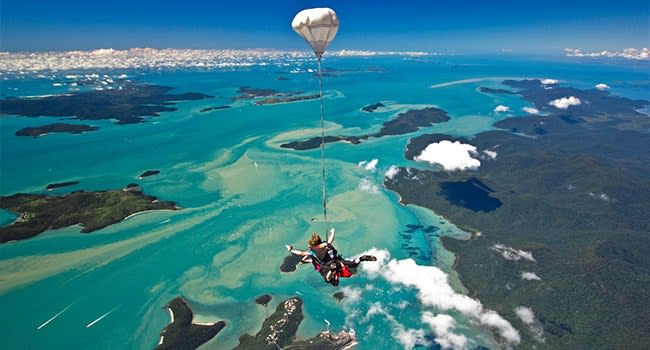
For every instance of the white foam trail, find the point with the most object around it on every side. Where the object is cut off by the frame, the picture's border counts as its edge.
(297, 292)
(456, 82)
(54, 317)
(171, 314)
(166, 221)
(101, 317)
(467, 81)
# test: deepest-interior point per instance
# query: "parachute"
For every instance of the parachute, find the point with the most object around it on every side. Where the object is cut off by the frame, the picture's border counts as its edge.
(318, 26)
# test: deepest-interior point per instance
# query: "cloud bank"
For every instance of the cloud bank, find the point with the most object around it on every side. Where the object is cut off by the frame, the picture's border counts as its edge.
(443, 326)
(630, 53)
(527, 316)
(166, 58)
(450, 155)
(501, 108)
(565, 102)
(549, 81)
(490, 154)
(602, 86)
(370, 165)
(530, 110)
(366, 185)
(512, 254)
(433, 290)
(391, 172)
(530, 276)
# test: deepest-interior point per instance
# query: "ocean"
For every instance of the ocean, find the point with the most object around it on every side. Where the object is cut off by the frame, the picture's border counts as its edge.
(244, 198)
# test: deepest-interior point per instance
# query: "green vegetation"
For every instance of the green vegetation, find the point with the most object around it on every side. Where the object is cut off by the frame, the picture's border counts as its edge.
(127, 105)
(55, 128)
(577, 196)
(92, 210)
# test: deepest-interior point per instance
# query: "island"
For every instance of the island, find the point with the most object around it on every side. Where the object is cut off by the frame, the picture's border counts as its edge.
(315, 142)
(263, 96)
(290, 262)
(487, 90)
(128, 105)
(371, 108)
(91, 210)
(279, 331)
(263, 300)
(53, 186)
(572, 200)
(149, 173)
(249, 93)
(181, 333)
(216, 108)
(286, 99)
(404, 123)
(55, 128)
(132, 187)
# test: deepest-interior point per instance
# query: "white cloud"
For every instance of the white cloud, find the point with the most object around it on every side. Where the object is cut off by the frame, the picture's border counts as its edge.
(630, 53)
(167, 58)
(512, 254)
(530, 110)
(530, 276)
(351, 294)
(501, 108)
(391, 172)
(602, 86)
(527, 316)
(549, 81)
(450, 155)
(491, 154)
(409, 337)
(601, 196)
(366, 185)
(565, 102)
(370, 165)
(443, 325)
(433, 290)
(494, 320)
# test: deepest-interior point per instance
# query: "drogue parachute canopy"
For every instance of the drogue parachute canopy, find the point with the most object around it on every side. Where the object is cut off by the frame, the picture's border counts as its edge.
(318, 26)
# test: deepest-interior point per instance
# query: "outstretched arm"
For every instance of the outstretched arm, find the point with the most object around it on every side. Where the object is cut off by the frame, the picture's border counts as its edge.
(297, 251)
(331, 237)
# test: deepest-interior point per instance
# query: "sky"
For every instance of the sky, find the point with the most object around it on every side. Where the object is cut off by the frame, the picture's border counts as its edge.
(446, 26)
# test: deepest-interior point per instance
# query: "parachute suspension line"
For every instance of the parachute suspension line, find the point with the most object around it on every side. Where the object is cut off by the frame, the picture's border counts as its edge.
(322, 147)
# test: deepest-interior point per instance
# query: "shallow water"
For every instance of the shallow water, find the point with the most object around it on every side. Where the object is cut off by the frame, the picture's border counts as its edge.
(244, 198)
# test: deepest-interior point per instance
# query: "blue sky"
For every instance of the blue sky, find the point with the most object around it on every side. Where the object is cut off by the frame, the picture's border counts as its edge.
(427, 25)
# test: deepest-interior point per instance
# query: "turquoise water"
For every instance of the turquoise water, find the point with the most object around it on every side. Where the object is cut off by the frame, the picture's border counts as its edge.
(243, 199)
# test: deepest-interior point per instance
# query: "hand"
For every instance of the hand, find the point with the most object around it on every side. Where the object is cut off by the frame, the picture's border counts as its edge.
(289, 248)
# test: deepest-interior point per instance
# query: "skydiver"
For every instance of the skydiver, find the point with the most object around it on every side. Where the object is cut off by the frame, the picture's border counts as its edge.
(326, 259)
